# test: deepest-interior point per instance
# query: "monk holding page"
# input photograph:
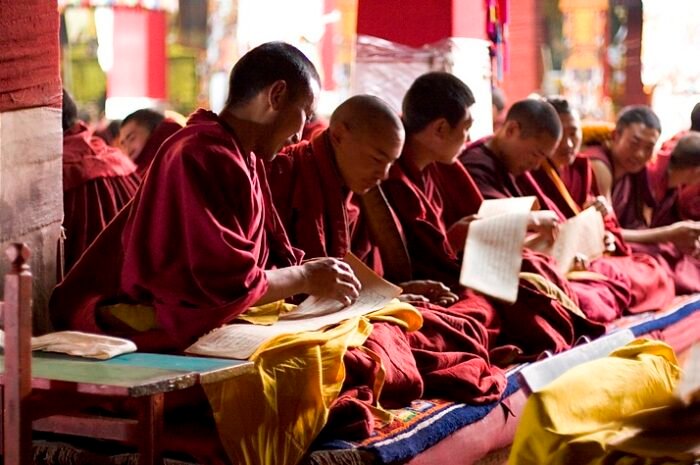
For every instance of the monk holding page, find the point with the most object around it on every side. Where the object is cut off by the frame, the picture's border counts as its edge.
(649, 224)
(566, 184)
(199, 241)
(318, 187)
(436, 200)
(530, 134)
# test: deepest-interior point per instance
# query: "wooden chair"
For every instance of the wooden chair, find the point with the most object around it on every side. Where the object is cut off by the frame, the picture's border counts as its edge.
(48, 392)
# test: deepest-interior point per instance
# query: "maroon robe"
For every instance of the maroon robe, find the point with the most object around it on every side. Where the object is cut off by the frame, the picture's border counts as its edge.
(160, 133)
(98, 180)
(193, 243)
(630, 195)
(688, 196)
(599, 300)
(313, 204)
(424, 201)
(651, 286)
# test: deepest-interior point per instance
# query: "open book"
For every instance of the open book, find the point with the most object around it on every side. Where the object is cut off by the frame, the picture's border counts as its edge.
(493, 250)
(241, 340)
(80, 344)
(583, 234)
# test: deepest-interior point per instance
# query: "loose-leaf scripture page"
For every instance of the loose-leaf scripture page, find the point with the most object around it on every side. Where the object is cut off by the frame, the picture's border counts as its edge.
(240, 340)
(493, 250)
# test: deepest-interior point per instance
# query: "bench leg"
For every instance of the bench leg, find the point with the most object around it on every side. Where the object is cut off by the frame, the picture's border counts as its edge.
(151, 430)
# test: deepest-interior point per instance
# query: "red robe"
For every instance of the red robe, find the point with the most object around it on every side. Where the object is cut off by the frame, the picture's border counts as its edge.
(427, 202)
(193, 243)
(651, 286)
(98, 180)
(165, 129)
(688, 196)
(630, 194)
(451, 346)
(599, 300)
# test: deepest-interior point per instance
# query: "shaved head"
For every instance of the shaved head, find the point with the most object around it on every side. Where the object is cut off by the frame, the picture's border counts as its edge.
(366, 114)
(367, 137)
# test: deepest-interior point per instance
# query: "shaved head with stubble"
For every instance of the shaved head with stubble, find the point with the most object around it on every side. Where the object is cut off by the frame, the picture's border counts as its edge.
(367, 137)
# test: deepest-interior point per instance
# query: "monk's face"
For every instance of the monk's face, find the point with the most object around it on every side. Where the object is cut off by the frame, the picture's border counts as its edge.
(451, 143)
(525, 152)
(632, 147)
(570, 143)
(365, 156)
(288, 123)
(132, 138)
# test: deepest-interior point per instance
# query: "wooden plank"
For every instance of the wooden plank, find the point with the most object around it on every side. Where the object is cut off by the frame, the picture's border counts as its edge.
(151, 431)
(115, 429)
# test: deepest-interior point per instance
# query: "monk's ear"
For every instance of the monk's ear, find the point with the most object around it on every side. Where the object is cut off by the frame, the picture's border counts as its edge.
(338, 131)
(511, 128)
(277, 94)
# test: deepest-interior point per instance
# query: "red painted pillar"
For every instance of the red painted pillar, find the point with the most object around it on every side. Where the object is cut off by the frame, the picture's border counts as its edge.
(139, 63)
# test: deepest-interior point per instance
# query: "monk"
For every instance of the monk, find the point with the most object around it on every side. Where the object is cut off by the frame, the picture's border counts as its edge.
(201, 242)
(688, 196)
(566, 184)
(317, 186)
(98, 180)
(622, 177)
(142, 133)
(435, 200)
(531, 132)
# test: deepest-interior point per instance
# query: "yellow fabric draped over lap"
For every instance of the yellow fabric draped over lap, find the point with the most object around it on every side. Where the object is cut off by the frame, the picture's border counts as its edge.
(272, 415)
(572, 419)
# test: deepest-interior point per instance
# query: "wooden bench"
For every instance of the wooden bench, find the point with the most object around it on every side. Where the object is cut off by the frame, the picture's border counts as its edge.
(48, 392)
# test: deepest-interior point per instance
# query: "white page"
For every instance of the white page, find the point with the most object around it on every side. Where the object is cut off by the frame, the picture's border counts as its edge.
(240, 340)
(80, 344)
(582, 234)
(493, 250)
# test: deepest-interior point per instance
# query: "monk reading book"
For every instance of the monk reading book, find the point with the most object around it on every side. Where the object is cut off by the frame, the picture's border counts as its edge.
(435, 200)
(198, 243)
(622, 177)
(317, 187)
(530, 134)
(566, 184)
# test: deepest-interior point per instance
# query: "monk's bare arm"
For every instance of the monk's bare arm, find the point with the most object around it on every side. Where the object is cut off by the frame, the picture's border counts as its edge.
(604, 178)
(322, 277)
(684, 234)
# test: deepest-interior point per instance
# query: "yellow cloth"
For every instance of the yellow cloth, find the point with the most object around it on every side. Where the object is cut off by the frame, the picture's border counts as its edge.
(550, 289)
(572, 419)
(272, 415)
(552, 174)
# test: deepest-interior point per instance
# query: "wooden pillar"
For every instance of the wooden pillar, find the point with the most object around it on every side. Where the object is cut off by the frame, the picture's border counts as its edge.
(31, 195)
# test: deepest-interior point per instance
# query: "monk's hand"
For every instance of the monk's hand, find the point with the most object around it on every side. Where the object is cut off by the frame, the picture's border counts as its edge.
(545, 223)
(434, 291)
(413, 298)
(331, 278)
(609, 242)
(601, 204)
(685, 234)
(457, 234)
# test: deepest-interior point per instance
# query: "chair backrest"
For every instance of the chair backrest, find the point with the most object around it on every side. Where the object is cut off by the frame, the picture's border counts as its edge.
(17, 377)
(386, 234)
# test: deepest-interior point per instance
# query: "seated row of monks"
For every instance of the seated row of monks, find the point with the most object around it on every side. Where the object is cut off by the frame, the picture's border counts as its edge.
(225, 219)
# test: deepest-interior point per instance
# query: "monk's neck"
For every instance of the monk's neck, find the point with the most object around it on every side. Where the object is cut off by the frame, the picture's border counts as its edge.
(245, 129)
(494, 146)
(675, 178)
(417, 153)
